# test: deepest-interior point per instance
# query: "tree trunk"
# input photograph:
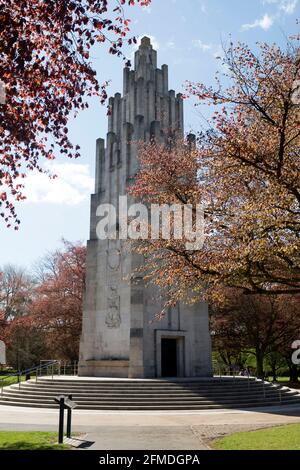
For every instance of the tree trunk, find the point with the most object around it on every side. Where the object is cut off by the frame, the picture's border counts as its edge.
(274, 372)
(259, 364)
(293, 373)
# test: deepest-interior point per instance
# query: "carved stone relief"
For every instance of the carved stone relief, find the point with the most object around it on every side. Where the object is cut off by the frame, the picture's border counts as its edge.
(113, 317)
(113, 259)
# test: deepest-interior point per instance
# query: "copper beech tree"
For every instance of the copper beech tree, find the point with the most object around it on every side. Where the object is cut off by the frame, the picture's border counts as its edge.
(47, 75)
(56, 309)
(261, 325)
(245, 170)
(40, 314)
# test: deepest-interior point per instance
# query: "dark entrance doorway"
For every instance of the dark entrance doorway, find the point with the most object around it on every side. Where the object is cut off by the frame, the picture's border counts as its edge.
(168, 357)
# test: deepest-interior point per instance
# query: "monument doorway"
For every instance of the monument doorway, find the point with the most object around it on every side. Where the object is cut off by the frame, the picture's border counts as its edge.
(169, 359)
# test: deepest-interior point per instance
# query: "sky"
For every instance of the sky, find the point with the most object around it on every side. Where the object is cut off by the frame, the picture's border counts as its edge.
(188, 35)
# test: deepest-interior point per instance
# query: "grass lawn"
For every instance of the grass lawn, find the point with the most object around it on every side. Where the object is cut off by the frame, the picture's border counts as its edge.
(9, 380)
(11, 440)
(277, 438)
(285, 381)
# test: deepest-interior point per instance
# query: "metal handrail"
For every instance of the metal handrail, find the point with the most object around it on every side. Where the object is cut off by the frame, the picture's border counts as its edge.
(233, 371)
(25, 372)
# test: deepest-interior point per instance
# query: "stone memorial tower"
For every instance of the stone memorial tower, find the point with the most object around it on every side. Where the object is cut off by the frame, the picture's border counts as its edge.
(119, 336)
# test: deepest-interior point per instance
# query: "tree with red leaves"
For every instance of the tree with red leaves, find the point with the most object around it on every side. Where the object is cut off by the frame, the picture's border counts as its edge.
(47, 75)
(21, 337)
(257, 324)
(245, 171)
(57, 307)
(25, 343)
(40, 315)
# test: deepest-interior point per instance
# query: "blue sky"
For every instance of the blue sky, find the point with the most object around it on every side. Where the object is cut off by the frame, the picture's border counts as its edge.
(188, 36)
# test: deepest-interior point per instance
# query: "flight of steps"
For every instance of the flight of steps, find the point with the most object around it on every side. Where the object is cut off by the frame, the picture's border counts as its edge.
(126, 394)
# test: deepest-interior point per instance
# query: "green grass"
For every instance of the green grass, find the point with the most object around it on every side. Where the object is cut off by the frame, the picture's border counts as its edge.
(279, 379)
(9, 380)
(277, 438)
(11, 440)
(285, 381)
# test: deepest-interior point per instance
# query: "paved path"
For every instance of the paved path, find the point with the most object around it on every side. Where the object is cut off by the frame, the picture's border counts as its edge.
(149, 430)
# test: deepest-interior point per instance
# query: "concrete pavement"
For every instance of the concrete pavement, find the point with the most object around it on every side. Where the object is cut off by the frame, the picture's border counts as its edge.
(149, 430)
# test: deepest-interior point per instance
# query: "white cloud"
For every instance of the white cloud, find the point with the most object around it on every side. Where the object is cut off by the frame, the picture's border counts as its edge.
(201, 45)
(288, 6)
(265, 23)
(72, 185)
(170, 45)
(203, 8)
(218, 52)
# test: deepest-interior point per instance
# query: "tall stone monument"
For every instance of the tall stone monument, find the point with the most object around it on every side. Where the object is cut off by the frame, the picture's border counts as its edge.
(119, 336)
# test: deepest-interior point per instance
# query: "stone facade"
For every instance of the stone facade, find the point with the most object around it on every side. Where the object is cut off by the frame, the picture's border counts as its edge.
(2, 353)
(119, 336)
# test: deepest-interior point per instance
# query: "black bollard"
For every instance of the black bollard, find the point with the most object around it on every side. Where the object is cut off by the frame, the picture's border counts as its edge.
(64, 402)
(61, 420)
(69, 418)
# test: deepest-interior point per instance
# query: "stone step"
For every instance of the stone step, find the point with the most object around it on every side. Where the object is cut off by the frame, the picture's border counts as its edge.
(71, 378)
(133, 391)
(236, 405)
(225, 380)
(117, 387)
(150, 395)
(9, 392)
(150, 400)
(213, 387)
(150, 390)
(158, 399)
(149, 383)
